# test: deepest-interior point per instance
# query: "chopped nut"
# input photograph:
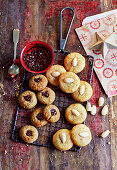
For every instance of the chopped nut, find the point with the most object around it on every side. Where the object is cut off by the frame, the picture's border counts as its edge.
(74, 62)
(101, 101)
(55, 73)
(63, 137)
(88, 107)
(83, 134)
(104, 110)
(75, 112)
(105, 134)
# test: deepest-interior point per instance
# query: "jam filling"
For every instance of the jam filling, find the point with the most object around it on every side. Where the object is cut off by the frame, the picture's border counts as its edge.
(29, 133)
(37, 79)
(27, 98)
(37, 59)
(45, 94)
(53, 112)
(39, 116)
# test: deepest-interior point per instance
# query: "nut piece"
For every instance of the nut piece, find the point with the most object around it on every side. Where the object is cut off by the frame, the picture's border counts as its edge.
(82, 89)
(62, 137)
(93, 110)
(74, 62)
(88, 106)
(105, 134)
(101, 101)
(104, 110)
(68, 80)
(55, 73)
(83, 134)
(75, 112)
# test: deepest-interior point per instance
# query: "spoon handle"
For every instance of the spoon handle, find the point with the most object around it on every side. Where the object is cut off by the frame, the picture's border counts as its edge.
(15, 40)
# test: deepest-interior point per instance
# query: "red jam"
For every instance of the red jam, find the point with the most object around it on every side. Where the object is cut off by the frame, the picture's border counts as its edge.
(37, 59)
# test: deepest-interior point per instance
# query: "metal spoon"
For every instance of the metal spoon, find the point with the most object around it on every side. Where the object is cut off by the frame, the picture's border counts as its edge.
(14, 69)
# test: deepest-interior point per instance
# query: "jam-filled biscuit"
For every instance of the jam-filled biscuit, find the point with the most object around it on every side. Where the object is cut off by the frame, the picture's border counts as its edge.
(69, 82)
(53, 74)
(27, 99)
(74, 62)
(75, 113)
(81, 135)
(83, 93)
(37, 118)
(29, 133)
(62, 139)
(51, 113)
(46, 96)
(38, 82)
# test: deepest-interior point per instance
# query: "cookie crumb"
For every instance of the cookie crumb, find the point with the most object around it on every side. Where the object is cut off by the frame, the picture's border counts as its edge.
(108, 143)
(1, 86)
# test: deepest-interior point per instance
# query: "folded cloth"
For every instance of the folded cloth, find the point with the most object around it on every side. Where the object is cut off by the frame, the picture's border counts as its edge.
(105, 67)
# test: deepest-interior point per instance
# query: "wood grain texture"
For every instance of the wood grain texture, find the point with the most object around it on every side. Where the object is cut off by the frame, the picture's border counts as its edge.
(39, 20)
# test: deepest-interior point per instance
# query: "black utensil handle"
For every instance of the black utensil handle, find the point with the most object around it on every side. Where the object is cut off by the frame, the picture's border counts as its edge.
(63, 41)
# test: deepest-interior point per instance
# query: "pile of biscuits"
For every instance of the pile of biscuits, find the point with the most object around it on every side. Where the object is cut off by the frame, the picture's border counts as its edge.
(68, 81)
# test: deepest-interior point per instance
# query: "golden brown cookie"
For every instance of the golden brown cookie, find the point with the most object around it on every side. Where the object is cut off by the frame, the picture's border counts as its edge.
(27, 99)
(46, 96)
(29, 133)
(38, 82)
(83, 93)
(53, 74)
(75, 113)
(51, 113)
(62, 139)
(81, 135)
(37, 118)
(74, 62)
(69, 82)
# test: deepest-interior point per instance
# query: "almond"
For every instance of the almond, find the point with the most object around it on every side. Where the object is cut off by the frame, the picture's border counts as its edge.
(83, 134)
(55, 73)
(75, 112)
(68, 80)
(105, 134)
(82, 89)
(63, 137)
(104, 110)
(88, 107)
(93, 110)
(74, 62)
(101, 101)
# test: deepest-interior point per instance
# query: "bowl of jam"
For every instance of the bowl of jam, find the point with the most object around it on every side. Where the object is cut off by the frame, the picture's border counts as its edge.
(37, 57)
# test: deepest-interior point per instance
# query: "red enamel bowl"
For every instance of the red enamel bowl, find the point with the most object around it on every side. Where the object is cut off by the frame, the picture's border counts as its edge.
(47, 48)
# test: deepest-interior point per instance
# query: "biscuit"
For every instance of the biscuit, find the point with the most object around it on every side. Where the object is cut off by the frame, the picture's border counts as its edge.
(74, 62)
(27, 99)
(46, 96)
(62, 139)
(37, 118)
(81, 135)
(51, 113)
(75, 113)
(29, 133)
(38, 82)
(53, 74)
(69, 82)
(83, 93)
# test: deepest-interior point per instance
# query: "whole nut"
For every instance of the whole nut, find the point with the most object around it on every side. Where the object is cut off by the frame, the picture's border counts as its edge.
(75, 112)
(68, 80)
(105, 134)
(55, 73)
(62, 137)
(82, 89)
(83, 134)
(101, 101)
(74, 62)
(93, 110)
(104, 110)
(88, 107)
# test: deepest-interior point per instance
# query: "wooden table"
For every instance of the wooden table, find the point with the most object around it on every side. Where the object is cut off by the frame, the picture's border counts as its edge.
(39, 20)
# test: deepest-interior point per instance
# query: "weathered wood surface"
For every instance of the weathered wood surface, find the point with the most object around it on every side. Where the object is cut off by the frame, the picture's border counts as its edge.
(39, 20)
